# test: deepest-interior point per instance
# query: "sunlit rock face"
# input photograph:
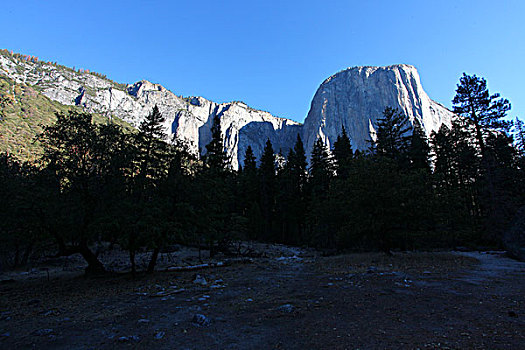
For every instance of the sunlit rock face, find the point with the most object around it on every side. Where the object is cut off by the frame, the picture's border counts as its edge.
(356, 97)
(241, 127)
(189, 119)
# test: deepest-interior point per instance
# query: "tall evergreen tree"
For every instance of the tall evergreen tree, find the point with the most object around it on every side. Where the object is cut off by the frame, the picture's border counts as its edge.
(248, 195)
(343, 154)
(419, 149)
(267, 176)
(321, 169)
(391, 135)
(297, 164)
(250, 165)
(151, 145)
(215, 156)
(484, 111)
(321, 172)
(456, 176)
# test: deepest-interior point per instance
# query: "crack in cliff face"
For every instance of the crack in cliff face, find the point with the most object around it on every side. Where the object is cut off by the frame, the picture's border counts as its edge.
(78, 99)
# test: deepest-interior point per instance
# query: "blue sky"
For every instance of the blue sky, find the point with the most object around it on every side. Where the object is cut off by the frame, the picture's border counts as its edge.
(274, 54)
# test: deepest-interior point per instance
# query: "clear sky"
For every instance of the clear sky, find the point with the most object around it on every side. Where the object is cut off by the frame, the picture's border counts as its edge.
(274, 54)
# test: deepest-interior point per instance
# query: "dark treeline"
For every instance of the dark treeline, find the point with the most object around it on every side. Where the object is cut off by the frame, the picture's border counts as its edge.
(97, 184)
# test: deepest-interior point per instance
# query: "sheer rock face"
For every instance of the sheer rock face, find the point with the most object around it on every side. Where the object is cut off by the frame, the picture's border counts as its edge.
(356, 97)
(190, 119)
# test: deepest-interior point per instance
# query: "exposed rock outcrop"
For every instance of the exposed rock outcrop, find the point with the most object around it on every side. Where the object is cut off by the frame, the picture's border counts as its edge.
(353, 98)
(356, 97)
(189, 119)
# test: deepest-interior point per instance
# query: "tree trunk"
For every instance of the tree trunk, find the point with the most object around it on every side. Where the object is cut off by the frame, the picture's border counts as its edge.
(27, 253)
(153, 261)
(95, 267)
(17, 256)
(132, 261)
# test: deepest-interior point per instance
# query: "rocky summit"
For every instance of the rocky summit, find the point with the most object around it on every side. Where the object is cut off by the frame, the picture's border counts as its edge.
(354, 98)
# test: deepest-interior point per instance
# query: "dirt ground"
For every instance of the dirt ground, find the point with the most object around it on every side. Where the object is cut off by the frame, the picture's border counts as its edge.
(290, 299)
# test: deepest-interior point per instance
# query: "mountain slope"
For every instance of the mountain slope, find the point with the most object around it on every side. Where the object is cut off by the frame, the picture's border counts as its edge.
(23, 114)
(354, 98)
(189, 119)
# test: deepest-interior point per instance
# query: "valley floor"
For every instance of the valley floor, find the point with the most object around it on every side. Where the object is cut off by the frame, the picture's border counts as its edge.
(286, 301)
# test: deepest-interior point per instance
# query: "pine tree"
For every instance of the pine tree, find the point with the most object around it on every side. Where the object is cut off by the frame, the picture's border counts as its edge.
(151, 147)
(484, 111)
(215, 156)
(153, 154)
(297, 163)
(320, 169)
(391, 135)
(419, 150)
(456, 177)
(248, 197)
(250, 165)
(343, 154)
(267, 173)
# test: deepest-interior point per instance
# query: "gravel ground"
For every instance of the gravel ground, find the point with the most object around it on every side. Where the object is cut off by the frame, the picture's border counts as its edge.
(290, 299)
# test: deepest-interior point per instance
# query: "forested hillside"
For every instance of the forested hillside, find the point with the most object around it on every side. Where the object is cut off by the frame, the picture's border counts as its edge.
(24, 111)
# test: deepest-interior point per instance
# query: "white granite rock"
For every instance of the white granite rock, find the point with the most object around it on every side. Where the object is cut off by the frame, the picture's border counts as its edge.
(356, 97)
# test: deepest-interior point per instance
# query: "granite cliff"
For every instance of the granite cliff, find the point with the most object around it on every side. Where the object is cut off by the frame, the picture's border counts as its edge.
(356, 97)
(353, 98)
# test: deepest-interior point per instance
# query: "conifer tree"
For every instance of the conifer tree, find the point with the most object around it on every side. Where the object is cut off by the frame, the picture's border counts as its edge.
(419, 149)
(391, 135)
(215, 156)
(250, 165)
(297, 163)
(248, 196)
(267, 176)
(343, 154)
(320, 169)
(484, 111)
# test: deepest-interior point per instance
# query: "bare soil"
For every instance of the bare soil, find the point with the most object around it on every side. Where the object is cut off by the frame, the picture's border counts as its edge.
(290, 299)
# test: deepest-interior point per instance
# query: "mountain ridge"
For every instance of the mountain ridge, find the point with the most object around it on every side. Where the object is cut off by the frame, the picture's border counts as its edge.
(354, 97)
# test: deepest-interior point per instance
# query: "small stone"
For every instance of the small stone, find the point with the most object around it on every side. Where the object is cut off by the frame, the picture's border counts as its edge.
(200, 280)
(45, 331)
(200, 320)
(134, 338)
(143, 320)
(160, 335)
(287, 308)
